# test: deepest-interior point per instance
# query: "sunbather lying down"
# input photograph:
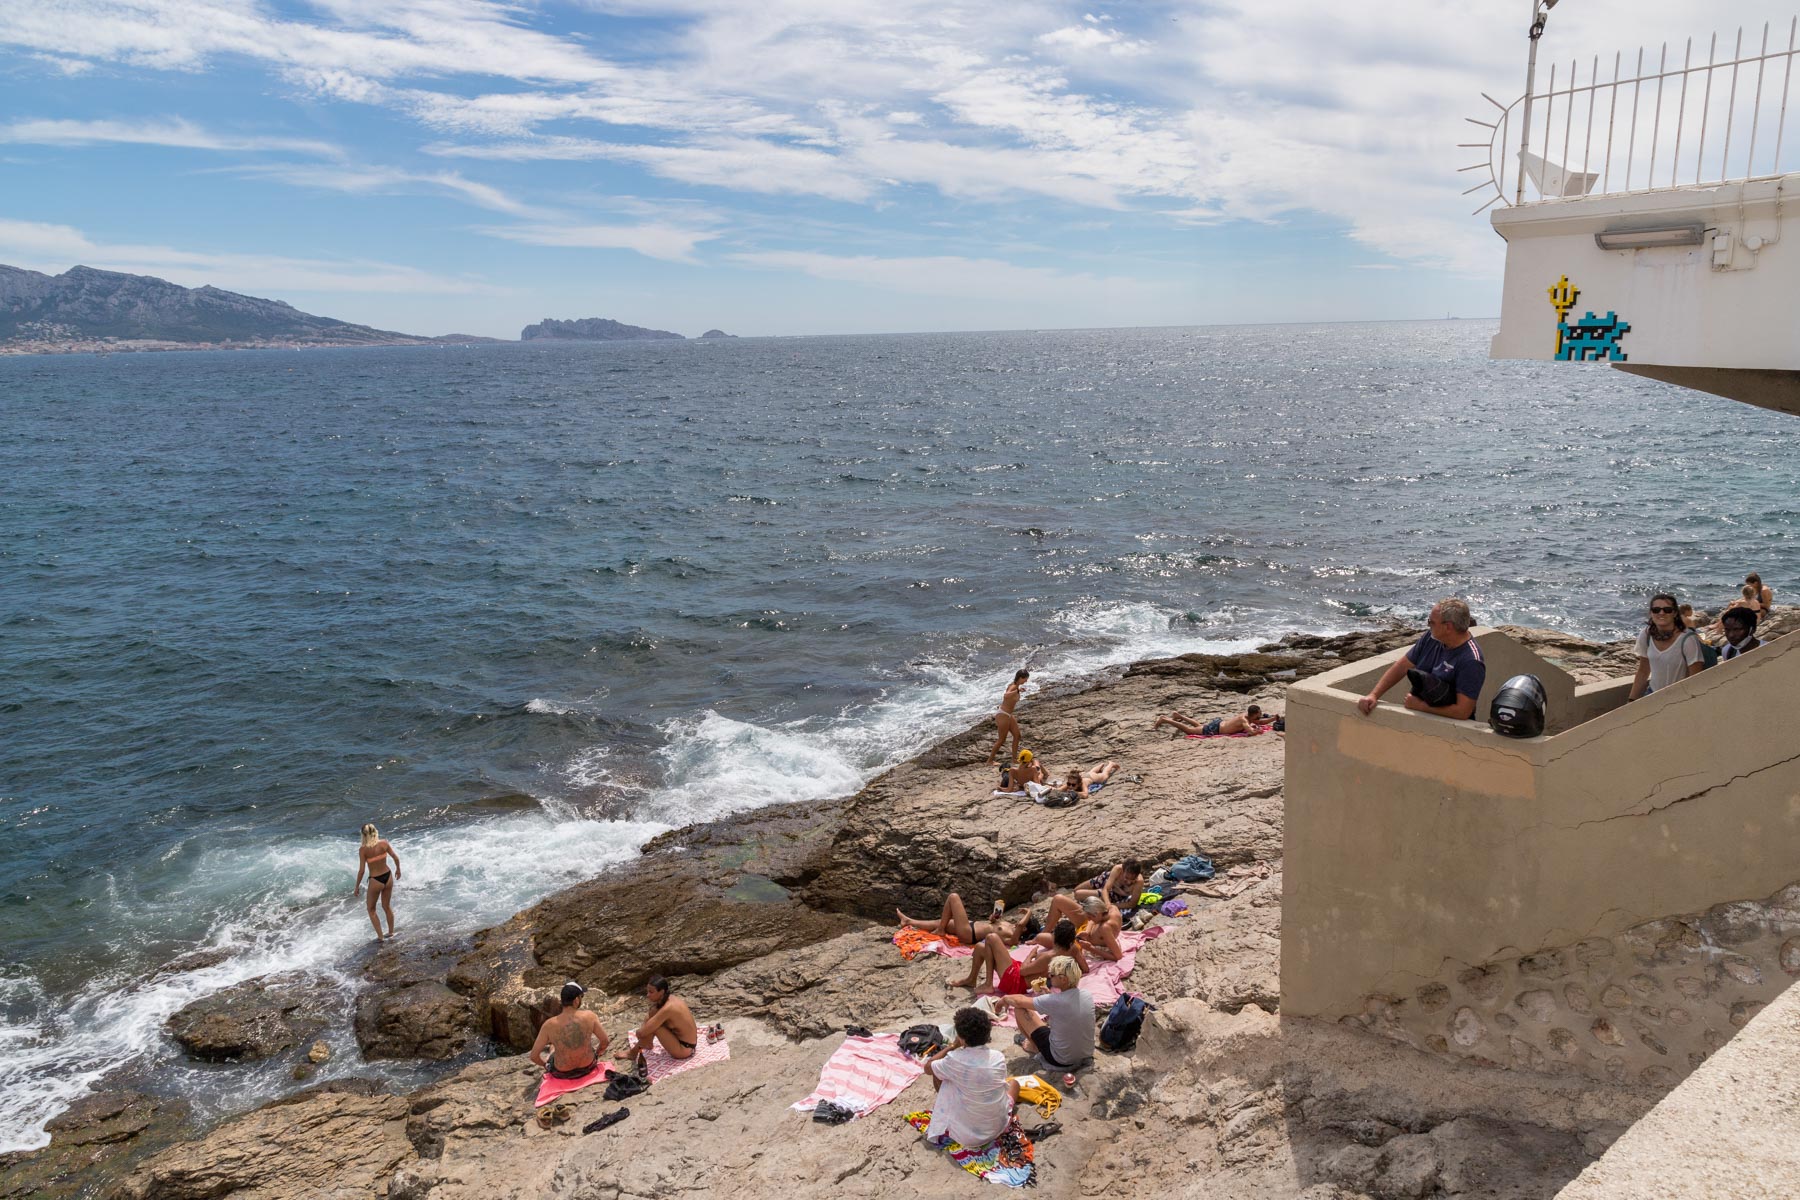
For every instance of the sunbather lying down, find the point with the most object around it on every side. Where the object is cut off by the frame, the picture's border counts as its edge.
(1251, 720)
(1086, 783)
(954, 920)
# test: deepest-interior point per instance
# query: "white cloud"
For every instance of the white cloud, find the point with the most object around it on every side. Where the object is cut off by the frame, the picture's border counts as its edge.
(66, 66)
(164, 131)
(672, 243)
(393, 181)
(55, 248)
(1190, 111)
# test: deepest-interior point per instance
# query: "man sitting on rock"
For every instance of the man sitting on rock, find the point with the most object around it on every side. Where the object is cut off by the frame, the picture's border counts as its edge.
(1028, 770)
(574, 1037)
(671, 1023)
(1448, 658)
(1250, 721)
(1059, 1025)
(1011, 978)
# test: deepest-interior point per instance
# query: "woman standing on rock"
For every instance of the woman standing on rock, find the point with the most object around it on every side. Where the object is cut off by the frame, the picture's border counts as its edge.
(373, 854)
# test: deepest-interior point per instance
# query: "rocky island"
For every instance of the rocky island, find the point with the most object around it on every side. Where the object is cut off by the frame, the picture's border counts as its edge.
(87, 310)
(594, 329)
(777, 924)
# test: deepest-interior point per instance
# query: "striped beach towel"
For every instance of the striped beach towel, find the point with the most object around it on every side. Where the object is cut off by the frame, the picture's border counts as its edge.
(863, 1074)
(662, 1066)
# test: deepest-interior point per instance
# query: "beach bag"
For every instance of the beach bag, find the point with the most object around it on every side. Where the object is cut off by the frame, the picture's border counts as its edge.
(1119, 1032)
(919, 1041)
(1058, 798)
(1194, 868)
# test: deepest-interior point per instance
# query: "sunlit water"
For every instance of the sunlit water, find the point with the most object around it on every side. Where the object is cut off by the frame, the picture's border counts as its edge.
(249, 601)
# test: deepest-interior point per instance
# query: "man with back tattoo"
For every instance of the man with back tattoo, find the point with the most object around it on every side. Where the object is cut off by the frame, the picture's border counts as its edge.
(573, 1037)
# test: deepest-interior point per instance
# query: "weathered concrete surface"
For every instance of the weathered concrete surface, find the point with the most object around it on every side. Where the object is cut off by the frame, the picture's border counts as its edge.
(1731, 1129)
(1455, 847)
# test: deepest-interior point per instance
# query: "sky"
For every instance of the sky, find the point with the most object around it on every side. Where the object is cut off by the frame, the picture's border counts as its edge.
(784, 166)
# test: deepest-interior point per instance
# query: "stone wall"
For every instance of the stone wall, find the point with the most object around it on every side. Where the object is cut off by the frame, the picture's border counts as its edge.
(1413, 842)
(1644, 1006)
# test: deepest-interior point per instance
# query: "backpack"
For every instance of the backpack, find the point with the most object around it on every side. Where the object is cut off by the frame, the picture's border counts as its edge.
(1058, 798)
(1119, 1032)
(921, 1041)
(1709, 654)
(1195, 868)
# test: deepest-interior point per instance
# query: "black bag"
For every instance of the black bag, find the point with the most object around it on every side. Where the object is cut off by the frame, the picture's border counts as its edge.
(1059, 798)
(1431, 691)
(921, 1041)
(1123, 1024)
(828, 1113)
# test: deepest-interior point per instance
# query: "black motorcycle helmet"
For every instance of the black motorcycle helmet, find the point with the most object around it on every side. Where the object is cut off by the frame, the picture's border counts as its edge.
(1518, 707)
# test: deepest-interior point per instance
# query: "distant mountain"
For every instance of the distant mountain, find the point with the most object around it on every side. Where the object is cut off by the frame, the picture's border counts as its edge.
(594, 329)
(717, 333)
(84, 305)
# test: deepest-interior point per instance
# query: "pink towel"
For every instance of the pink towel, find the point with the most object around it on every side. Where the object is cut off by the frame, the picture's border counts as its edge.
(1106, 980)
(863, 1074)
(1199, 736)
(553, 1087)
(662, 1066)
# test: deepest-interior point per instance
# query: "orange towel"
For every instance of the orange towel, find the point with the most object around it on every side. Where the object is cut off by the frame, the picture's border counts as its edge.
(914, 942)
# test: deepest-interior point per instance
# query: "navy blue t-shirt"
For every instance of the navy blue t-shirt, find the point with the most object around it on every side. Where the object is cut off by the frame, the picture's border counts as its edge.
(1462, 666)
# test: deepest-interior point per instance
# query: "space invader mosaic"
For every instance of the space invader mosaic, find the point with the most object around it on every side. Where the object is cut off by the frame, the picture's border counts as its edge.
(1591, 339)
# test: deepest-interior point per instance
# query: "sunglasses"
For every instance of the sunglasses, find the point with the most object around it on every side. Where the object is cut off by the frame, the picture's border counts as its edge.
(1661, 608)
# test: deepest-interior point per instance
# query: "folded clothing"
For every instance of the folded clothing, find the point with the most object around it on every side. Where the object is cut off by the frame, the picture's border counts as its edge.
(1005, 1160)
(863, 1074)
(914, 942)
(552, 1087)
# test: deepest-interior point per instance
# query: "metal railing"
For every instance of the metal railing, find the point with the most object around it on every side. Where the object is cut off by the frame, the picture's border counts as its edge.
(1648, 125)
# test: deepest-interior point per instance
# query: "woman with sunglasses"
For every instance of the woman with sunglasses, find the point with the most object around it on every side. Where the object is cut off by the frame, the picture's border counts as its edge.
(1667, 650)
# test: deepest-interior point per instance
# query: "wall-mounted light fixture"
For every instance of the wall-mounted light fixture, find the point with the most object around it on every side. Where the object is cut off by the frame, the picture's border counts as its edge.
(1651, 237)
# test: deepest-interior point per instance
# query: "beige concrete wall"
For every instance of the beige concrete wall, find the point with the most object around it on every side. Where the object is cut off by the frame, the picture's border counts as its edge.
(1418, 847)
(1731, 1130)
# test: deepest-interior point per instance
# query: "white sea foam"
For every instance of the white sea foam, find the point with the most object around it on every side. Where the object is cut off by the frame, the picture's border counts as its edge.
(285, 907)
(280, 908)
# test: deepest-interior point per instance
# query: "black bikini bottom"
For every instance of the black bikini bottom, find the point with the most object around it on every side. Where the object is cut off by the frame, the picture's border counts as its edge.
(381, 878)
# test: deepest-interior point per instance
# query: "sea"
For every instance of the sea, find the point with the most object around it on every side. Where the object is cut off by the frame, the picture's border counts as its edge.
(525, 606)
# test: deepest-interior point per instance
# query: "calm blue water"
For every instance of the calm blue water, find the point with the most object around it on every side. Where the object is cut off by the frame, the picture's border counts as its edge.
(249, 601)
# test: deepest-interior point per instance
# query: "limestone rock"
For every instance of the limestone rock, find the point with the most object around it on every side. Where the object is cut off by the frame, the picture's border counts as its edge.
(255, 1019)
(408, 1011)
(93, 1141)
(336, 1140)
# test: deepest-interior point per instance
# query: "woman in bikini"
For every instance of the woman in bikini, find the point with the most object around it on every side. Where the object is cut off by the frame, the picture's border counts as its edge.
(954, 920)
(1120, 885)
(372, 857)
(1004, 721)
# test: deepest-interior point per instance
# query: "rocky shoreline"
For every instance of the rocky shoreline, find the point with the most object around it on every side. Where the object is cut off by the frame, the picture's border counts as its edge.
(776, 923)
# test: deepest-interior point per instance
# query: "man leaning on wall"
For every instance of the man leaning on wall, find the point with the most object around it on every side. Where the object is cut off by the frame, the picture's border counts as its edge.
(1446, 653)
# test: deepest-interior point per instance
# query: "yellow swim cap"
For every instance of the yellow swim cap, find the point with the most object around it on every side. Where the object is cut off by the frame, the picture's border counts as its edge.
(1024, 756)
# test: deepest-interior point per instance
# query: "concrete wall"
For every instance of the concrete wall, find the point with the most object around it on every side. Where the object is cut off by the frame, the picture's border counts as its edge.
(1683, 310)
(1731, 1129)
(1418, 848)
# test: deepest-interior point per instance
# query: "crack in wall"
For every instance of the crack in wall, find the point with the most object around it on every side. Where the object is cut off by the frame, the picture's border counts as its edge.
(1654, 809)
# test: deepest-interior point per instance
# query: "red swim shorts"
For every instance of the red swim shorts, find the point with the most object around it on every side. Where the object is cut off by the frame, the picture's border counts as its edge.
(1010, 983)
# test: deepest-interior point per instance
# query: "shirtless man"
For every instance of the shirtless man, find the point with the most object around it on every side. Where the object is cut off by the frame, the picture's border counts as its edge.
(671, 1023)
(1121, 884)
(954, 920)
(1251, 720)
(574, 1038)
(1104, 924)
(1027, 770)
(1012, 978)
(1004, 721)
